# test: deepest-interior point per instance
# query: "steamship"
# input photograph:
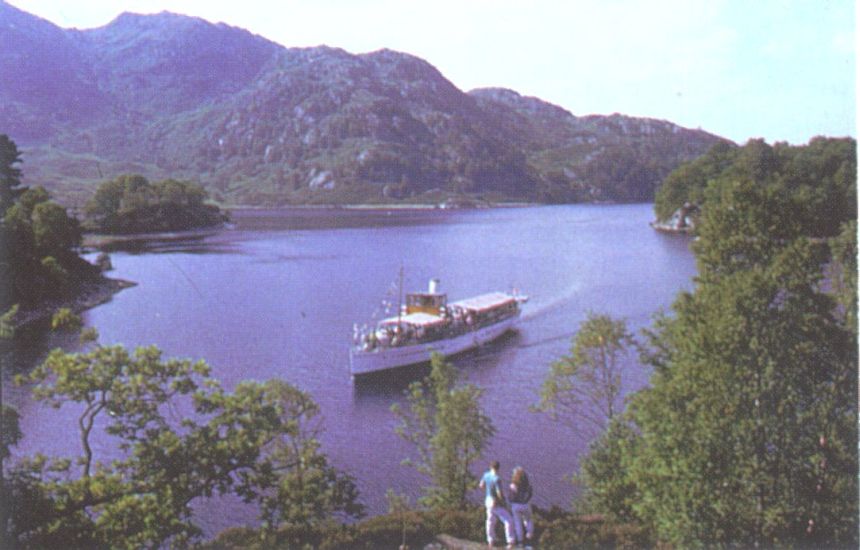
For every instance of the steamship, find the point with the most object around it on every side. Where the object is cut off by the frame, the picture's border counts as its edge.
(428, 323)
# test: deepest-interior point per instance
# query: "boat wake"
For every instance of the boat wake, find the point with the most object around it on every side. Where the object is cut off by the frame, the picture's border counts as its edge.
(538, 308)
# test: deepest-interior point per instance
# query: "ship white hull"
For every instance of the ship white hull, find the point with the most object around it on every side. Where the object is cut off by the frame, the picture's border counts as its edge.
(363, 362)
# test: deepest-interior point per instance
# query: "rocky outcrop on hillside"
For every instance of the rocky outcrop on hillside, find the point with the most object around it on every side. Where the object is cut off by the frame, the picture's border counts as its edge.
(258, 123)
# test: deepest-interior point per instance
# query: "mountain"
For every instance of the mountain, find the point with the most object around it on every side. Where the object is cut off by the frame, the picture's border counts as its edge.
(47, 83)
(257, 123)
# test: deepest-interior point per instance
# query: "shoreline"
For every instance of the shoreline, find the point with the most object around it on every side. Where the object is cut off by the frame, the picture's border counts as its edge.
(90, 294)
(374, 206)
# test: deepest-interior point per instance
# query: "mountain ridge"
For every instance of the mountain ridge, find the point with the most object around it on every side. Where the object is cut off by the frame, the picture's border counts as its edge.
(259, 123)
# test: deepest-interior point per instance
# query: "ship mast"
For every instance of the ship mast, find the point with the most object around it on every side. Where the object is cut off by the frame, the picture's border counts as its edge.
(400, 297)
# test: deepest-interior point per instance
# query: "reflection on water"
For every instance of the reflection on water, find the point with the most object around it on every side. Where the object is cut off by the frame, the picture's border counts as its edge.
(387, 384)
(276, 296)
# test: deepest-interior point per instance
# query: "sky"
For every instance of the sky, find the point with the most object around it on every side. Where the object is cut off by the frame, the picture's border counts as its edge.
(782, 70)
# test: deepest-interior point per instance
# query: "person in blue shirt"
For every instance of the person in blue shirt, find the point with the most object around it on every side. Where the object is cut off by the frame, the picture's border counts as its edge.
(494, 500)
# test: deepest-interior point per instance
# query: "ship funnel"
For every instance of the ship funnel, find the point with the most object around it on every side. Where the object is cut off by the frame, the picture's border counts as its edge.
(433, 287)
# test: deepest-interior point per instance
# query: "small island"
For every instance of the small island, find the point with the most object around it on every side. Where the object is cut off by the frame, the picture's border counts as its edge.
(131, 204)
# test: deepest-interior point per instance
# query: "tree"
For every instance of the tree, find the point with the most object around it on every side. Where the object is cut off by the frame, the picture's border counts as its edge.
(54, 232)
(754, 376)
(449, 430)
(746, 225)
(843, 273)
(687, 183)
(585, 387)
(10, 175)
(242, 443)
(10, 431)
(39, 240)
(604, 473)
(307, 488)
(747, 433)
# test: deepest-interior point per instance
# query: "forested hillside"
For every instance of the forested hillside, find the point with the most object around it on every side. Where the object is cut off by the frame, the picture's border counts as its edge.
(257, 123)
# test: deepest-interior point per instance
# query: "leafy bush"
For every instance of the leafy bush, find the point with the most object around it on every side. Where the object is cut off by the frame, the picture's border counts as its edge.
(570, 531)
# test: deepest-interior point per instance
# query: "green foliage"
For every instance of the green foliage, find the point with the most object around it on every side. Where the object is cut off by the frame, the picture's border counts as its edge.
(604, 473)
(54, 232)
(7, 323)
(10, 430)
(66, 320)
(308, 489)
(37, 241)
(10, 174)
(746, 226)
(747, 435)
(687, 182)
(130, 204)
(55, 274)
(255, 443)
(621, 173)
(756, 374)
(583, 389)
(562, 530)
(819, 179)
(843, 273)
(449, 430)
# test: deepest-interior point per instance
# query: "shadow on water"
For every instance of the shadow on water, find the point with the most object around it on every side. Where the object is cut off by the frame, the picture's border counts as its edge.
(187, 245)
(280, 258)
(298, 219)
(488, 356)
(394, 382)
(677, 242)
(32, 344)
(388, 383)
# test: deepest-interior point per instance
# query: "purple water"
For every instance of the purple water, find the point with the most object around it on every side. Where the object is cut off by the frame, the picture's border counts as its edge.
(277, 295)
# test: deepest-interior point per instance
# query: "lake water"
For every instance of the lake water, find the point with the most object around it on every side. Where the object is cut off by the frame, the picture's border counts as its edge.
(276, 296)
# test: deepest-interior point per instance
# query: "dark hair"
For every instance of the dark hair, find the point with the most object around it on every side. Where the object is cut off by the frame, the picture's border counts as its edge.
(495, 465)
(519, 478)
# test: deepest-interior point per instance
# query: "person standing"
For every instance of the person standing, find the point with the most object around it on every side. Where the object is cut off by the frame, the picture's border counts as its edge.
(521, 495)
(494, 500)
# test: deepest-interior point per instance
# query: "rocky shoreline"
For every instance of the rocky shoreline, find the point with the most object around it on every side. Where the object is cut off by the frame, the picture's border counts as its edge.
(89, 295)
(684, 220)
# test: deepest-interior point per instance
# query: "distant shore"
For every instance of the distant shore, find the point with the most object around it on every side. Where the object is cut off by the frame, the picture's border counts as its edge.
(377, 206)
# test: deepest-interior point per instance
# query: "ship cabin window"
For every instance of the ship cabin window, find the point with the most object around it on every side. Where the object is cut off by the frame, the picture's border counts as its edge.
(428, 303)
(493, 314)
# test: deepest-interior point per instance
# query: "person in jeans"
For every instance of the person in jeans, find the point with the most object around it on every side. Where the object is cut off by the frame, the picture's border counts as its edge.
(521, 494)
(494, 500)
